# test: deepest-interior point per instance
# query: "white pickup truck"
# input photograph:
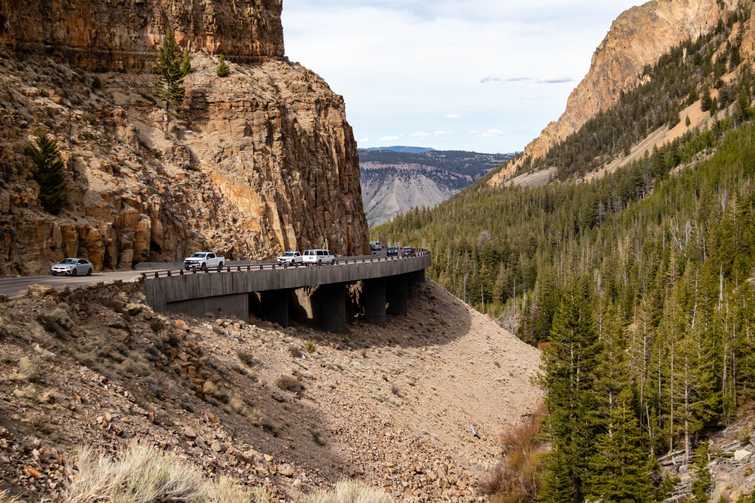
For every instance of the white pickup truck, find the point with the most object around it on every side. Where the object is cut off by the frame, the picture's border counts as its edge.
(204, 261)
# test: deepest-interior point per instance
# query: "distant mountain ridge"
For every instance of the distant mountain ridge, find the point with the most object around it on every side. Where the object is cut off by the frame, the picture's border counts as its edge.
(400, 149)
(398, 179)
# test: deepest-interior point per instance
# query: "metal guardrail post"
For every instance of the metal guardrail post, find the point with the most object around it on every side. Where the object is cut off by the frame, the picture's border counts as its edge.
(181, 272)
(169, 275)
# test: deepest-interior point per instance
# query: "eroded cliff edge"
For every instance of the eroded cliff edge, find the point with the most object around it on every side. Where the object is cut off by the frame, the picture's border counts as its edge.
(257, 162)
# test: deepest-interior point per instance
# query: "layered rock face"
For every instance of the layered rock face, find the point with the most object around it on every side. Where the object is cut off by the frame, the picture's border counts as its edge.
(258, 162)
(638, 37)
(122, 34)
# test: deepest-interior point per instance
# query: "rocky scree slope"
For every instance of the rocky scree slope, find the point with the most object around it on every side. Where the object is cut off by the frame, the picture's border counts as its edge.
(290, 409)
(258, 162)
(638, 37)
(395, 182)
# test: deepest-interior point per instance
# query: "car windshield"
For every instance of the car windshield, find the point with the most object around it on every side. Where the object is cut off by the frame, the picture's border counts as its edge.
(199, 255)
(69, 261)
(309, 252)
(290, 254)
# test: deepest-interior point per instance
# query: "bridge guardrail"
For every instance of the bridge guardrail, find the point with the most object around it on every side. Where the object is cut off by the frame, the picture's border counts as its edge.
(261, 266)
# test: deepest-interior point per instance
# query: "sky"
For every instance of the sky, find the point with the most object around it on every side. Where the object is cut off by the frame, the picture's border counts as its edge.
(481, 75)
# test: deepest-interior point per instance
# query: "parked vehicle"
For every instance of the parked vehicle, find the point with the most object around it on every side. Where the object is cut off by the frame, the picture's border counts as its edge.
(204, 261)
(72, 267)
(393, 251)
(290, 258)
(408, 251)
(318, 257)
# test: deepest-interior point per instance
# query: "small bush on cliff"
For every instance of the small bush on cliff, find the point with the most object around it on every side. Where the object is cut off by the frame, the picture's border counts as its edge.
(171, 69)
(49, 173)
(223, 69)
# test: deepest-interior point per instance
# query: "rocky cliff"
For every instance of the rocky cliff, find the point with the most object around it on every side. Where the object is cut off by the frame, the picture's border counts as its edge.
(638, 37)
(122, 34)
(254, 163)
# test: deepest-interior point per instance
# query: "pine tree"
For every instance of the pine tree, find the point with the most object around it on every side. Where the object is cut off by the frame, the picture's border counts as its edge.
(223, 69)
(171, 69)
(49, 173)
(702, 484)
(619, 468)
(568, 378)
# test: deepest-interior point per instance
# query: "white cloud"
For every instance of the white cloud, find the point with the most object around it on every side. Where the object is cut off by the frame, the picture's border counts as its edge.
(389, 138)
(488, 133)
(407, 62)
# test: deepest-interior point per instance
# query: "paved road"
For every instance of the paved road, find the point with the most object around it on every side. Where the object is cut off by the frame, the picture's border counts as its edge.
(14, 286)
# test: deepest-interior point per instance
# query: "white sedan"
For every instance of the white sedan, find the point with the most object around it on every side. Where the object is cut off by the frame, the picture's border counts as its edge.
(72, 267)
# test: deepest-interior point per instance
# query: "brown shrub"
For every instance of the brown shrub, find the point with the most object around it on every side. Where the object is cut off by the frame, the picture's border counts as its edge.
(515, 479)
(289, 383)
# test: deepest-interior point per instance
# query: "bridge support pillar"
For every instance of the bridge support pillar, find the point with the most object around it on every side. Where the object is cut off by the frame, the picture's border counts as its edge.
(374, 294)
(416, 278)
(398, 295)
(329, 306)
(275, 306)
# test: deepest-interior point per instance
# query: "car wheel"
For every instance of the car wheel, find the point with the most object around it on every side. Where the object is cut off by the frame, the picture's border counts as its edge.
(220, 267)
(89, 272)
(204, 267)
(319, 262)
(75, 272)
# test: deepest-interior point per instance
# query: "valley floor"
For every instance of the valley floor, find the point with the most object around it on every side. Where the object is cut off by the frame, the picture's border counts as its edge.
(413, 406)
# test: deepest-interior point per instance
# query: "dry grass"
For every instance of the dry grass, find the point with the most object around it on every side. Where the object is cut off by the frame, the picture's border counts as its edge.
(351, 491)
(515, 479)
(6, 498)
(146, 475)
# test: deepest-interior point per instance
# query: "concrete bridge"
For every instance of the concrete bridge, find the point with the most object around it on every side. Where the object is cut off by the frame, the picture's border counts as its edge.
(328, 295)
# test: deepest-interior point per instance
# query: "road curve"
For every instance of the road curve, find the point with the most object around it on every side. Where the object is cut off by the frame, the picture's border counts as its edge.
(17, 285)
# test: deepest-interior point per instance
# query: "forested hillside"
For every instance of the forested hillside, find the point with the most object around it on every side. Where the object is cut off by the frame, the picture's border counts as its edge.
(638, 285)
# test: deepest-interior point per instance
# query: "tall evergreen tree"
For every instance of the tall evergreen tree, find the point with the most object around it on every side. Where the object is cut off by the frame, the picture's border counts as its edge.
(171, 69)
(49, 173)
(619, 467)
(569, 381)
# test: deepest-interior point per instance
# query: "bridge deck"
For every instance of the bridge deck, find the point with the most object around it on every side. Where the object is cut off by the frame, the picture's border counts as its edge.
(164, 290)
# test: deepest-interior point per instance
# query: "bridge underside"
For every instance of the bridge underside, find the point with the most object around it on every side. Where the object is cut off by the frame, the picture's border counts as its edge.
(330, 307)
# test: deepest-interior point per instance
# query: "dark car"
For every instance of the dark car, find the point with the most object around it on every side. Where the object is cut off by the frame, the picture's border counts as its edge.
(392, 251)
(408, 251)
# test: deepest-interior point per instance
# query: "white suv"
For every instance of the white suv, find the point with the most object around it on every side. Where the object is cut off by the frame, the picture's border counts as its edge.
(318, 257)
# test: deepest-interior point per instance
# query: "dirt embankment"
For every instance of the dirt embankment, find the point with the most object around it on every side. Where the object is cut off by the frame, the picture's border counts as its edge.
(413, 406)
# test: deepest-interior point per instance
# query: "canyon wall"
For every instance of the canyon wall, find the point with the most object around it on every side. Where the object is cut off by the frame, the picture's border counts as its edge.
(638, 37)
(122, 34)
(252, 164)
